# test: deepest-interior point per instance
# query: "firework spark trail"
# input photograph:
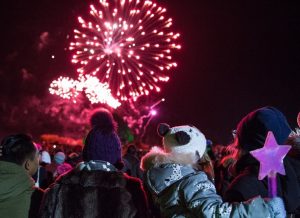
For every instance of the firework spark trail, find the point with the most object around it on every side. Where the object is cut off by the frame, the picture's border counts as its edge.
(136, 119)
(98, 92)
(127, 44)
(95, 91)
(65, 88)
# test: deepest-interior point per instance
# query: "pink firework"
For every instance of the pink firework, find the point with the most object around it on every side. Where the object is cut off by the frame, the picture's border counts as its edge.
(94, 90)
(65, 88)
(127, 44)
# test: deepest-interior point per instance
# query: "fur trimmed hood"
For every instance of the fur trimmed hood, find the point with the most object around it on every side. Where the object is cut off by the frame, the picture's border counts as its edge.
(165, 169)
(156, 157)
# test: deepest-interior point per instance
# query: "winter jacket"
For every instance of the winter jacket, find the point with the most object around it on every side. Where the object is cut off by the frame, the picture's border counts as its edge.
(95, 189)
(41, 178)
(246, 184)
(132, 166)
(36, 200)
(181, 191)
(16, 188)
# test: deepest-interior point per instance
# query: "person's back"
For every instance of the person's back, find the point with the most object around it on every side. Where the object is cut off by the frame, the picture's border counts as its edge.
(251, 134)
(93, 189)
(15, 190)
(181, 189)
(18, 161)
(132, 163)
(96, 187)
(57, 167)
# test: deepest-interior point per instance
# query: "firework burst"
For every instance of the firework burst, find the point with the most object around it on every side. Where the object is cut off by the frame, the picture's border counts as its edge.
(65, 87)
(127, 44)
(94, 90)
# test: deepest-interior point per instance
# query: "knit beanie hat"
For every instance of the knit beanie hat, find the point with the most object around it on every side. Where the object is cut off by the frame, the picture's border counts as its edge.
(182, 139)
(102, 146)
(102, 119)
(59, 157)
(253, 128)
(102, 142)
(45, 157)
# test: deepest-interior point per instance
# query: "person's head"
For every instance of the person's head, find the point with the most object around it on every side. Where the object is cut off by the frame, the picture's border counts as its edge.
(78, 149)
(218, 151)
(294, 141)
(105, 147)
(20, 149)
(182, 140)
(131, 149)
(102, 143)
(184, 145)
(59, 157)
(252, 130)
(45, 158)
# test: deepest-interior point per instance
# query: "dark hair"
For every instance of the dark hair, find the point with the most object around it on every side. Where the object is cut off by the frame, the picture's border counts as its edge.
(131, 149)
(17, 148)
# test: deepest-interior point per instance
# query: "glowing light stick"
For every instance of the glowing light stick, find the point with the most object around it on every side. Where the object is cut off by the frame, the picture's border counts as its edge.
(271, 161)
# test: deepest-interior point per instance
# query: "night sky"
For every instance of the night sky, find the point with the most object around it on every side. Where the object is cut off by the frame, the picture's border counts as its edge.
(235, 57)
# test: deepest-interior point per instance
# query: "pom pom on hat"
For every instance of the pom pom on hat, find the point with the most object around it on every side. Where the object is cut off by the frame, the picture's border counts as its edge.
(102, 119)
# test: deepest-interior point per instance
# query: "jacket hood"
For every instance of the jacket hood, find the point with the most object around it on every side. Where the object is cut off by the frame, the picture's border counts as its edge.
(165, 169)
(156, 157)
(14, 181)
(162, 177)
(253, 128)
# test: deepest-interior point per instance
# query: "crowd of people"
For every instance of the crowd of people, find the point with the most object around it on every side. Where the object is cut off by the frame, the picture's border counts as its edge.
(187, 176)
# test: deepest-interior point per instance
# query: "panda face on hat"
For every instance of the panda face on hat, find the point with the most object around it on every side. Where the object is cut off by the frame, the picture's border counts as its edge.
(182, 139)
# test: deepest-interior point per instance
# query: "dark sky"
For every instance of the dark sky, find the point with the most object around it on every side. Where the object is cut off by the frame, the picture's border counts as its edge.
(235, 57)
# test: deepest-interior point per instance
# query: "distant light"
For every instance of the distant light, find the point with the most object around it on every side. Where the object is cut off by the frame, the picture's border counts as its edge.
(153, 112)
(52, 56)
(54, 146)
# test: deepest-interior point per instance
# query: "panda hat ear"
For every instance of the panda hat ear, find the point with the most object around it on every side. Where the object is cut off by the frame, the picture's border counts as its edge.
(163, 129)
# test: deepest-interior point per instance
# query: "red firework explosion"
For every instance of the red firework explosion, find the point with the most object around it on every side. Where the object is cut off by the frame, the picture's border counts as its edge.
(127, 44)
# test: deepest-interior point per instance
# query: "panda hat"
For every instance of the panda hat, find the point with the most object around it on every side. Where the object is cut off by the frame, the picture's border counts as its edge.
(182, 139)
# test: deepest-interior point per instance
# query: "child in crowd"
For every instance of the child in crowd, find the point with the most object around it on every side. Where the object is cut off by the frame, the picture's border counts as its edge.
(180, 188)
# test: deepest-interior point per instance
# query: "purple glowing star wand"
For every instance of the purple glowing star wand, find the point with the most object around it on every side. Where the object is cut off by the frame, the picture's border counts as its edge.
(271, 161)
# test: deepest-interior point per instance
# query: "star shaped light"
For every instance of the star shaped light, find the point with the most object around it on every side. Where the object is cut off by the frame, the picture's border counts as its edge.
(270, 157)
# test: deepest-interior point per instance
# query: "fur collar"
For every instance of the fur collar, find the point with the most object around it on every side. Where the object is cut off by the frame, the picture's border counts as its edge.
(89, 193)
(156, 156)
(96, 165)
